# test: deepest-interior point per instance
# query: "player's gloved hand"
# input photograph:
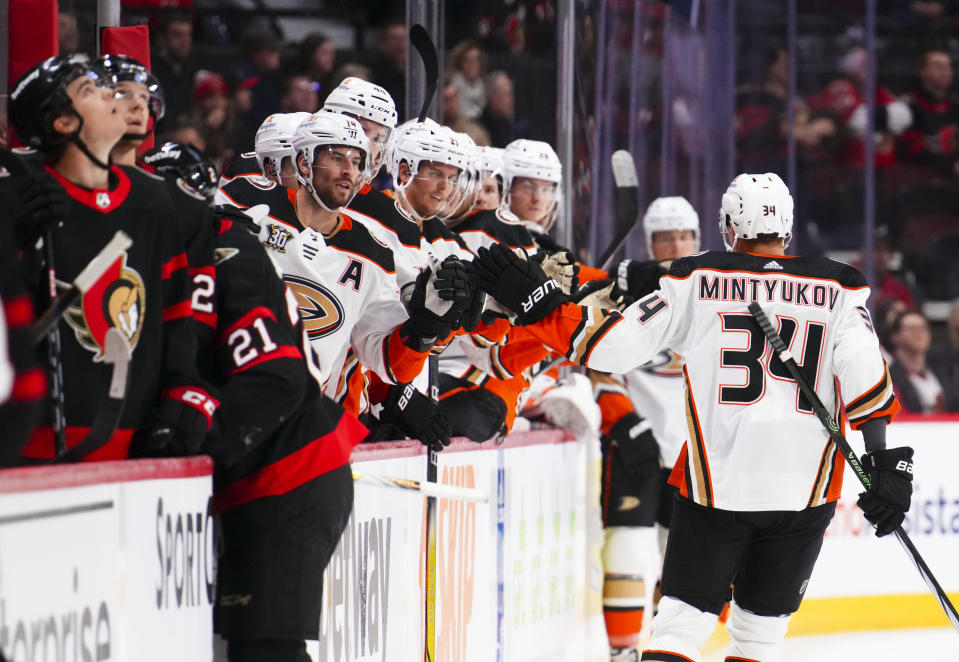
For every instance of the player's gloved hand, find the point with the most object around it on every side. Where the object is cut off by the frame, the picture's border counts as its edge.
(636, 445)
(473, 314)
(561, 266)
(417, 416)
(437, 300)
(637, 279)
(518, 284)
(46, 205)
(886, 503)
(179, 424)
(600, 294)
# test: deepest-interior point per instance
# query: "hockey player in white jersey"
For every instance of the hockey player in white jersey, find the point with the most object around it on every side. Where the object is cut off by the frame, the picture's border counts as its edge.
(644, 428)
(274, 181)
(759, 476)
(373, 108)
(344, 279)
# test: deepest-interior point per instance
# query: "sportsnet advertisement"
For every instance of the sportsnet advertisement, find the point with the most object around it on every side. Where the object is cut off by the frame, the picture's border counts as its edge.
(96, 572)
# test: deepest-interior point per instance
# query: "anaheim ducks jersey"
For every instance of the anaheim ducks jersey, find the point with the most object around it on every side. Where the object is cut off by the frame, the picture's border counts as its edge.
(345, 284)
(145, 294)
(656, 390)
(490, 226)
(241, 166)
(754, 441)
(380, 213)
(245, 191)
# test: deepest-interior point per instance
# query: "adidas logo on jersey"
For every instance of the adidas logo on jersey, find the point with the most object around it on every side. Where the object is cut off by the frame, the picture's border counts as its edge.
(772, 264)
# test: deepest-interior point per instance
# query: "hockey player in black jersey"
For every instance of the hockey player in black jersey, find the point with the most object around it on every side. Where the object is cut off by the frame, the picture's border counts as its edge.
(69, 112)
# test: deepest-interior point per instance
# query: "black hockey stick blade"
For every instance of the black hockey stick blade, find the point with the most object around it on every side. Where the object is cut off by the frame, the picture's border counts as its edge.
(843, 445)
(627, 203)
(84, 281)
(116, 352)
(424, 45)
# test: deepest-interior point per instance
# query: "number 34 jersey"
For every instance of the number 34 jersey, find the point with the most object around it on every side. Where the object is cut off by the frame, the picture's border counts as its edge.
(754, 441)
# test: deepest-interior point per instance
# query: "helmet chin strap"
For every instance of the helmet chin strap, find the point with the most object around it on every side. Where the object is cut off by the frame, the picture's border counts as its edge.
(75, 139)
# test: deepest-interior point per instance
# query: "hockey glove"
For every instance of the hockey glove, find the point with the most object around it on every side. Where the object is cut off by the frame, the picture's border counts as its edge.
(439, 296)
(636, 445)
(886, 503)
(518, 284)
(561, 266)
(637, 279)
(46, 206)
(417, 416)
(178, 426)
(473, 314)
(600, 294)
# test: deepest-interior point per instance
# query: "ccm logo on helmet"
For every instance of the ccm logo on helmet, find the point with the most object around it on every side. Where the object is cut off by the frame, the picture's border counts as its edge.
(538, 294)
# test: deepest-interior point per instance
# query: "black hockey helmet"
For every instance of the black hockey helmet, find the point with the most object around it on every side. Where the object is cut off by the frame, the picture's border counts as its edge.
(124, 67)
(40, 96)
(185, 162)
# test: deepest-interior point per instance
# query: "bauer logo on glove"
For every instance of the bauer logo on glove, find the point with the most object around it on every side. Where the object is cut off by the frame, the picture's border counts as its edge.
(537, 295)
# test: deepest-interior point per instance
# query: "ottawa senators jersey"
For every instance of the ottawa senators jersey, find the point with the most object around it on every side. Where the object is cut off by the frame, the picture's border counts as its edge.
(274, 431)
(345, 285)
(247, 191)
(145, 294)
(754, 441)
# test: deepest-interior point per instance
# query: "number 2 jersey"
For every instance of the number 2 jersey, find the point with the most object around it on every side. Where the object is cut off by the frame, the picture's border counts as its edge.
(754, 441)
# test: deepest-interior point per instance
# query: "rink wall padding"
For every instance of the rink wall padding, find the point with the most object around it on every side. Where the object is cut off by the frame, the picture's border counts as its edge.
(107, 561)
(518, 578)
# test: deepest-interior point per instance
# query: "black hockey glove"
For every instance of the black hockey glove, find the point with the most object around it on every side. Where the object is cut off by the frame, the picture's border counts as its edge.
(517, 284)
(439, 296)
(46, 205)
(886, 503)
(636, 445)
(417, 416)
(473, 314)
(178, 426)
(637, 279)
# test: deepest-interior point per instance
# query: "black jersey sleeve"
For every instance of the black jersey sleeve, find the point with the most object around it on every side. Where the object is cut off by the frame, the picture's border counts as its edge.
(259, 354)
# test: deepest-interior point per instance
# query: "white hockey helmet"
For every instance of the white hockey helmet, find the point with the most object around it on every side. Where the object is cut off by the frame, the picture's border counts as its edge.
(274, 140)
(534, 159)
(329, 129)
(756, 205)
(362, 99)
(670, 213)
(469, 183)
(489, 160)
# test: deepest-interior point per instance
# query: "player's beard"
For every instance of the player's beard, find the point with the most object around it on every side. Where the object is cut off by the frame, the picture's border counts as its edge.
(335, 197)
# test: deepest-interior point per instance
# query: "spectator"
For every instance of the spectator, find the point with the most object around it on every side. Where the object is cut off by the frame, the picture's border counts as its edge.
(917, 15)
(887, 310)
(886, 261)
(933, 138)
(762, 129)
(389, 67)
(68, 33)
(453, 118)
(946, 358)
(843, 97)
(497, 117)
(172, 64)
(316, 59)
(212, 109)
(466, 64)
(298, 94)
(190, 133)
(918, 386)
(260, 71)
(352, 70)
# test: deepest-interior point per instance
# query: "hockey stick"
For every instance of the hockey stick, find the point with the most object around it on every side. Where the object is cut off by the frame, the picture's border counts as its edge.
(424, 45)
(425, 488)
(779, 347)
(83, 282)
(116, 352)
(627, 203)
